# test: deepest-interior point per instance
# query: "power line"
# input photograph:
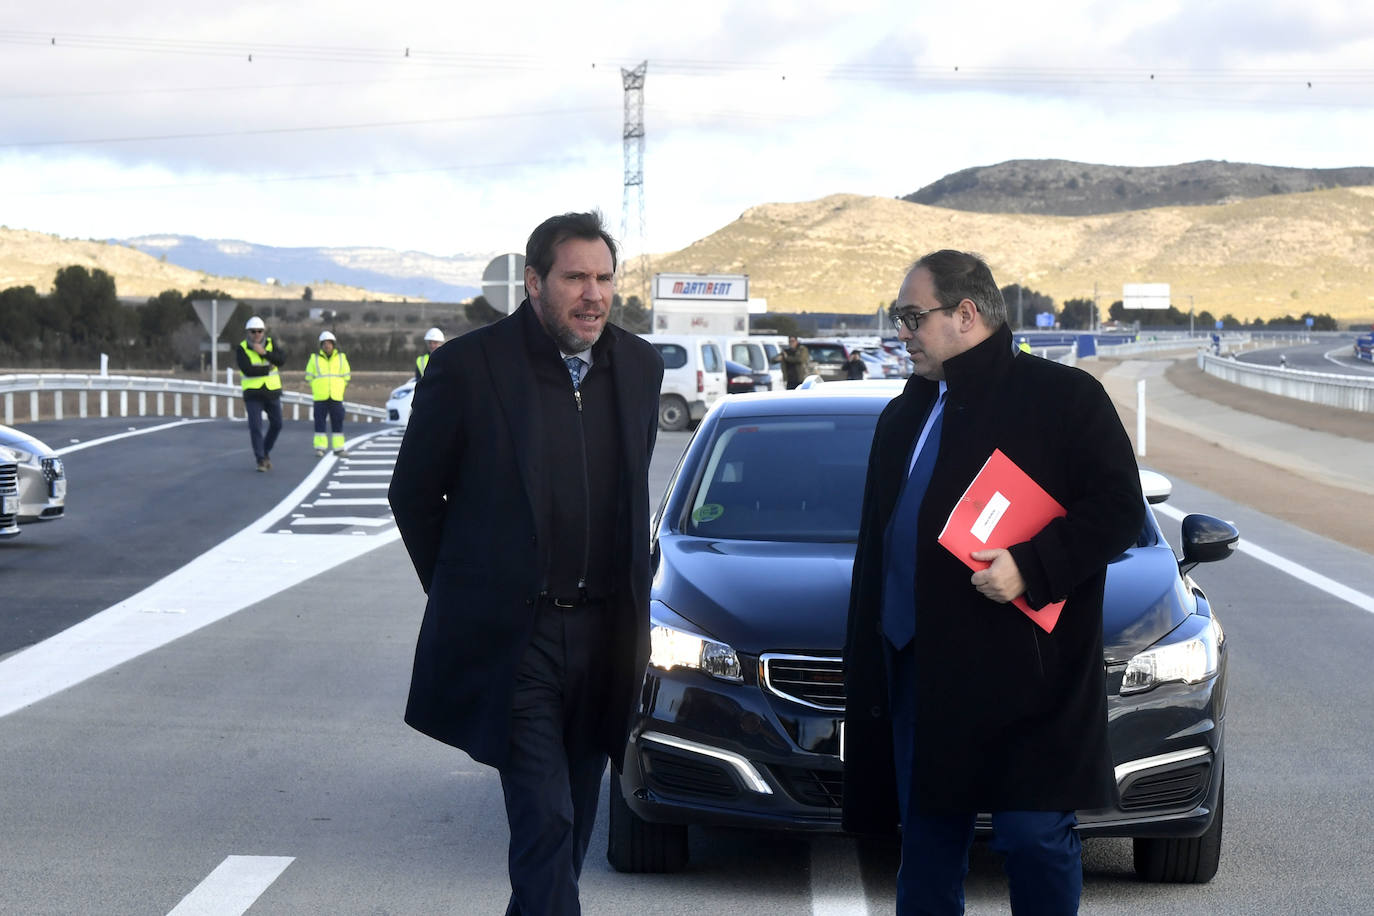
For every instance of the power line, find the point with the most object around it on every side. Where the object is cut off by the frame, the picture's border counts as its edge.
(968, 75)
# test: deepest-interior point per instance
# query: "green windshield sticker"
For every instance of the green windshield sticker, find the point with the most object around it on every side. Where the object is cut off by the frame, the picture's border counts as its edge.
(708, 512)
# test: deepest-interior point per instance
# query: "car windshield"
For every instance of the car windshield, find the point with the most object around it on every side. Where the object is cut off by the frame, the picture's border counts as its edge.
(783, 479)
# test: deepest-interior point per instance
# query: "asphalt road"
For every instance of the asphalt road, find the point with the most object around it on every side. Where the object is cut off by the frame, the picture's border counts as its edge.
(1333, 355)
(273, 732)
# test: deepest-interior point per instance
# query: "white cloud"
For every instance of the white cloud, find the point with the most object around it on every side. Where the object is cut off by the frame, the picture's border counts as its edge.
(148, 117)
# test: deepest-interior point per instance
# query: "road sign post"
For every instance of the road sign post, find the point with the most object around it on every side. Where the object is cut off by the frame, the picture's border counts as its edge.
(503, 282)
(207, 310)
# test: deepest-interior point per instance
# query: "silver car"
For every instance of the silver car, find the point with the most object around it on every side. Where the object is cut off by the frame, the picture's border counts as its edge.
(42, 480)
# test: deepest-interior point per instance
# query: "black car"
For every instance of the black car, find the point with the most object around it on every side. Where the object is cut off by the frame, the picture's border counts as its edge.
(740, 717)
(740, 379)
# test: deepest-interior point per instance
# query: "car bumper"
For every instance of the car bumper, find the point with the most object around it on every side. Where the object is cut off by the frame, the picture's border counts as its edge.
(41, 498)
(707, 752)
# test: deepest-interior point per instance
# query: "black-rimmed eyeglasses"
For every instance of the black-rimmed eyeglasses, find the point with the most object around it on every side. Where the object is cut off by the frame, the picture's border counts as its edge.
(911, 318)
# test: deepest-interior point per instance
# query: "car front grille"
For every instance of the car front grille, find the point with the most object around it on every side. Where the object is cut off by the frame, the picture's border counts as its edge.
(811, 680)
(818, 788)
(9, 485)
(674, 774)
(1180, 788)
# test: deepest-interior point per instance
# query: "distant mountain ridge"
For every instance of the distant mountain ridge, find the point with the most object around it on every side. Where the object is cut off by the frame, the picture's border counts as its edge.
(1059, 187)
(412, 274)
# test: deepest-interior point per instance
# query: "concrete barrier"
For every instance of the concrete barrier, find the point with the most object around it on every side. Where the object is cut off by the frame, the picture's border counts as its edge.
(1352, 392)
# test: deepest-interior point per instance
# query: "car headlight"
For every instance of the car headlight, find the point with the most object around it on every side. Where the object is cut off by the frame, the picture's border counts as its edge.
(1192, 655)
(678, 647)
(8, 453)
(403, 391)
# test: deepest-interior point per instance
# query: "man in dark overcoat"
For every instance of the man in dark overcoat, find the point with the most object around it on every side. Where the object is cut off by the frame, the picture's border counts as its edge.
(521, 493)
(957, 702)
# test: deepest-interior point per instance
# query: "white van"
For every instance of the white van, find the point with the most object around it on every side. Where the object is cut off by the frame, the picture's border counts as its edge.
(753, 352)
(693, 377)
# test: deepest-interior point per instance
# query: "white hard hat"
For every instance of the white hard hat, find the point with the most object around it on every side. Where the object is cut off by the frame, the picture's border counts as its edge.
(326, 335)
(434, 334)
(255, 324)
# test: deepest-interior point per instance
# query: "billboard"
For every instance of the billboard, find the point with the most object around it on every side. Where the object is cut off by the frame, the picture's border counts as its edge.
(1145, 296)
(710, 287)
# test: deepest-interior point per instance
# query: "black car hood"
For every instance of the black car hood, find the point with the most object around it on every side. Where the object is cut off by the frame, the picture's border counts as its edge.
(1145, 599)
(770, 596)
(759, 596)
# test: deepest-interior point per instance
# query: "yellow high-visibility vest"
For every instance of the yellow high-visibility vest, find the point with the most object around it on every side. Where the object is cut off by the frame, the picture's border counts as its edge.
(420, 362)
(272, 380)
(328, 375)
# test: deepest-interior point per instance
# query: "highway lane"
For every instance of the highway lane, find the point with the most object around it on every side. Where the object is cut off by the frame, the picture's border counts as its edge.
(1332, 355)
(276, 732)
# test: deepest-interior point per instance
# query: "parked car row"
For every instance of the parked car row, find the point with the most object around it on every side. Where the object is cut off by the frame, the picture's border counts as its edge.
(699, 369)
(33, 481)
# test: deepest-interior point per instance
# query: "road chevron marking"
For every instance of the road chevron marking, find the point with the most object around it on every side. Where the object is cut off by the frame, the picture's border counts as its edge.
(233, 887)
(210, 587)
(1296, 570)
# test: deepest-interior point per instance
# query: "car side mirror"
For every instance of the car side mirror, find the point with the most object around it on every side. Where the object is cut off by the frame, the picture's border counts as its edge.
(1207, 539)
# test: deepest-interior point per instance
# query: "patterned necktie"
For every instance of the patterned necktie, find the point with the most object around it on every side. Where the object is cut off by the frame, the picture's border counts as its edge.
(576, 368)
(899, 560)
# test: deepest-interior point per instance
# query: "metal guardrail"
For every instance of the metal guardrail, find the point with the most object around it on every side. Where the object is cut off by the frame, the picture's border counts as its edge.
(159, 397)
(1353, 392)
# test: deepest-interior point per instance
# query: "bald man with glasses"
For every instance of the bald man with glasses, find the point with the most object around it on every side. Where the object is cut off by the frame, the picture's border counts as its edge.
(956, 701)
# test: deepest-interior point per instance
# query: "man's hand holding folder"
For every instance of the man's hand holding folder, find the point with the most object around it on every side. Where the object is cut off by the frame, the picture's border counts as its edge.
(1001, 507)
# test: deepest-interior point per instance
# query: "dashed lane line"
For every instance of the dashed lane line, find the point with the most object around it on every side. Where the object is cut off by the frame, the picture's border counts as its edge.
(837, 887)
(233, 887)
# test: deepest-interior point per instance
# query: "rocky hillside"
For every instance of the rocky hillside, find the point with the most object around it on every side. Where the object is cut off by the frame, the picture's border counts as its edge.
(33, 259)
(1262, 257)
(1057, 187)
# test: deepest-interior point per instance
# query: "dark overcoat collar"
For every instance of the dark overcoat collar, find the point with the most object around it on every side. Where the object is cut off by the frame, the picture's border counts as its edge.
(508, 361)
(970, 376)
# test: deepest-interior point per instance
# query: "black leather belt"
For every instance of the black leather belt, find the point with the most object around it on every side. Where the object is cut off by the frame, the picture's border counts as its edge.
(578, 601)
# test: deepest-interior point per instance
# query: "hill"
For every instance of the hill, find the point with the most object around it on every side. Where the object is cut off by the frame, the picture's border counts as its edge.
(33, 259)
(1057, 187)
(1263, 257)
(413, 274)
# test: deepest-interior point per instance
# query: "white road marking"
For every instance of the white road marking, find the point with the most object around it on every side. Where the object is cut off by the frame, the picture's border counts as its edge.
(362, 473)
(219, 584)
(1296, 570)
(382, 461)
(837, 887)
(233, 887)
(67, 450)
(357, 521)
(333, 485)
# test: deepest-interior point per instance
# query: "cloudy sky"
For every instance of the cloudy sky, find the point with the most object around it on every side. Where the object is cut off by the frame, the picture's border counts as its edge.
(447, 128)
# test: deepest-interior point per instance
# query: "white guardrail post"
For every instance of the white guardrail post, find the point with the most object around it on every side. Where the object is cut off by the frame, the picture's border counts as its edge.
(33, 384)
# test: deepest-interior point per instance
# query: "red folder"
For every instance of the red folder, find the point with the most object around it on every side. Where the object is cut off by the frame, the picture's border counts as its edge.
(1003, 506)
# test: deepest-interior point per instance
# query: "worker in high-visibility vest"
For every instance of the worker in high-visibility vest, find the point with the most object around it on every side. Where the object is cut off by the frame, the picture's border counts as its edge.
(433, 339)
(328, 374)
(258, 359)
